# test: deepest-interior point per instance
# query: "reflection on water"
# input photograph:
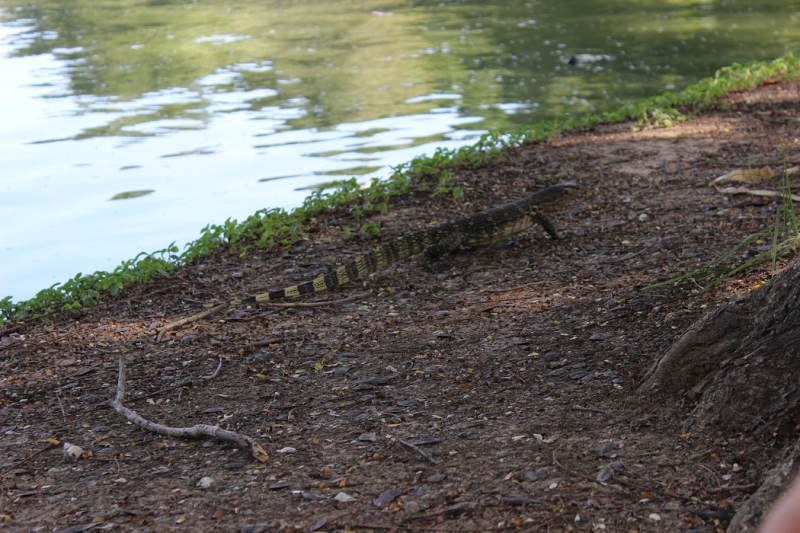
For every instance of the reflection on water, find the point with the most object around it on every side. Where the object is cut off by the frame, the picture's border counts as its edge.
(196, 112)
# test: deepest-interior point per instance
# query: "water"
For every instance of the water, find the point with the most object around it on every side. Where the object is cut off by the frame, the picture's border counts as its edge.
(125, 125)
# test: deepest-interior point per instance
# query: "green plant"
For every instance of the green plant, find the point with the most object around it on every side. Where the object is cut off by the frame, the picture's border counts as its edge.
(785, 237)
(370, 230)
(270, 227)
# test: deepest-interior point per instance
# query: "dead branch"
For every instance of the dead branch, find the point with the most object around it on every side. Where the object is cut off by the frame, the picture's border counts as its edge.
(410, 446)
(29, 458)
(199, 430)
(189, 320)
(220, 307)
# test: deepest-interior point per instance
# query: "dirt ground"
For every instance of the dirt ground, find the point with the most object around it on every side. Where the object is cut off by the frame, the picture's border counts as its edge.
(497, 392)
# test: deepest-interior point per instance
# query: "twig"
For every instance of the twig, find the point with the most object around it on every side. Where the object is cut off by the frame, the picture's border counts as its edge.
(727, 488)
(12, 329)
(189, 320)
(256, 344)
(214, 374)
(410, 446)
(511, 289)
(199, 430)
(28, 459)
(63, 414)
(182, 383)
(199, 316)
(541, 525)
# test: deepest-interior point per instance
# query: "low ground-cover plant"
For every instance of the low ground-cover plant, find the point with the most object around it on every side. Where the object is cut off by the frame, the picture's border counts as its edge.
(784, 236)
(270, 227)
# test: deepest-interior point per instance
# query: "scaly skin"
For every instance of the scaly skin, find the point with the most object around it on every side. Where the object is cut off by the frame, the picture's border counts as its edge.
(479, 230)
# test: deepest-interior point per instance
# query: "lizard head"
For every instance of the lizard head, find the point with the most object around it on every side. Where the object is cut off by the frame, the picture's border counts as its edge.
(556, 194)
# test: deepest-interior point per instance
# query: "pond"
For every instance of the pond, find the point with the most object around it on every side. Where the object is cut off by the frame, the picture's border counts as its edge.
(128, 125)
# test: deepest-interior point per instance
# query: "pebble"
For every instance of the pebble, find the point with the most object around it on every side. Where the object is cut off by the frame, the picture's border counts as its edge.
(412, 507)
(72, 452)
(205, 482)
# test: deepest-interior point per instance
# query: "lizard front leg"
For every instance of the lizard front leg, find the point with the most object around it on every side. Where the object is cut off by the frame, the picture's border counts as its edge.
(547, 224)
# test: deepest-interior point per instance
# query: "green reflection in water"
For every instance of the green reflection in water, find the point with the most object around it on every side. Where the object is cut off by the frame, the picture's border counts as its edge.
(131, 194)
(352, 171)
(352, 61)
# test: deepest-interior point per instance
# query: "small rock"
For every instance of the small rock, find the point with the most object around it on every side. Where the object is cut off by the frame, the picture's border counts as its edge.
(288, 449)
(536, 476)
(72, 452)
(386, 498)
(598, 337)
(189, 336)
(462, 508)
(367, 437)
(282, 484)
(341, 370)
(257, 528)
(412, 507)
(312, 496)
(514, 501)
(606, 448)
(205, 482)
(344, 497)
(607, 471)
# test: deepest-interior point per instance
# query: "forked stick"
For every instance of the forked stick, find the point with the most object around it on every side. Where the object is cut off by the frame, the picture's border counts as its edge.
(199, 430)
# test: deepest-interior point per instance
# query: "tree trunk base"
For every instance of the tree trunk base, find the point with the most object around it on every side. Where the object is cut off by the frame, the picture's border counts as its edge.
(740, 369)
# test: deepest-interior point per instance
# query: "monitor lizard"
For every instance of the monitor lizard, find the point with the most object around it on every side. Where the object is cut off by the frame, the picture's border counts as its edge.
(479, 230)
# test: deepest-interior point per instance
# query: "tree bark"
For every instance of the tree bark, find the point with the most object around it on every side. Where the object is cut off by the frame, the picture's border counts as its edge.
(740, 366)
(775, 482)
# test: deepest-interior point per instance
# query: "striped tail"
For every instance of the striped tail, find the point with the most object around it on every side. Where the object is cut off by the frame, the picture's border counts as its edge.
(383, 256)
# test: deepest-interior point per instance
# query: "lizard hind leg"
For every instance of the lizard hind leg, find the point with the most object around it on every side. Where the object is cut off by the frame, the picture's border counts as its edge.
(447, 244)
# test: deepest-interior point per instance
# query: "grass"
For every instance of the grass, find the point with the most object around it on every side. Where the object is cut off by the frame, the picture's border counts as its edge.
(784, 235)
(271, 227)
